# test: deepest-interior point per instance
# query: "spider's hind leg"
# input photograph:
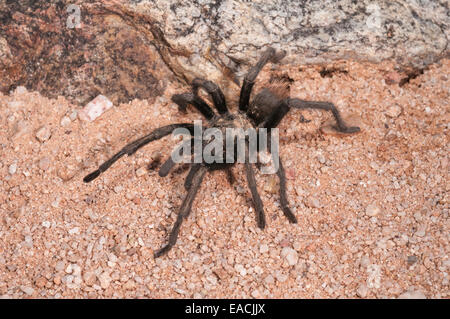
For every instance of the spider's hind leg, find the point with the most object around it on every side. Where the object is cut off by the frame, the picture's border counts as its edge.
(327, 106)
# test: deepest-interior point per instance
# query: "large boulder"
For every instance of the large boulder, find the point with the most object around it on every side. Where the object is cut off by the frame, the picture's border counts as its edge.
(130, 49)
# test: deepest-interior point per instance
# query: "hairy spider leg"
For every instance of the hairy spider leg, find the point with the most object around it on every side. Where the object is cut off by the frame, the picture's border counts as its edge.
(327, 106)
(272, 121)
(283, 197)
(189, 98)
(185, 209)
(169, 163)
(214, 91)
(249, 80)
(134, 146)
(194, 169)
(251, 181)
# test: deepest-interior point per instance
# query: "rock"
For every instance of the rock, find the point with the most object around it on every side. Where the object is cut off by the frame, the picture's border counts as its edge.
(141, 171)
(95, 108)
(110, 53)
(394, 111)
(128, 49)
(290, 255)
(44, 163)
(412, 260)
(129, 285)
(281, 277)
(12, 169)
(65, 121)
(40, 282)
(27, 290)
(60, 265)
(104, 279)
(362, 291)
(312, 202)
(271, 185)
(269, 280)
(321, 159)
(264, 248)
(74, 231)
(417, 294)
(240, 269)
(43, 134)
(89, 278)
(372, 210)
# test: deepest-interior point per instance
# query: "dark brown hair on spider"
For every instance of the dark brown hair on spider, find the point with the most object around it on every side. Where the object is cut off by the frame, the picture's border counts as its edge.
(266, 110)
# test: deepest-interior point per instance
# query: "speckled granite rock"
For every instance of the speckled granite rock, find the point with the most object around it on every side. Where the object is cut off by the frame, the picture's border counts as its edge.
(130, 49)
(106, 55)
(414, 33)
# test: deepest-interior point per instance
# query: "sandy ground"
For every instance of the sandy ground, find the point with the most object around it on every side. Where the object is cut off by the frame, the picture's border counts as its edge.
(373, 208)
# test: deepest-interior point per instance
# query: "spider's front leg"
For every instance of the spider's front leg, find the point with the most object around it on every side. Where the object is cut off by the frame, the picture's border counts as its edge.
(257, 202)
(249, 81)
(134, 146)
(185, 209)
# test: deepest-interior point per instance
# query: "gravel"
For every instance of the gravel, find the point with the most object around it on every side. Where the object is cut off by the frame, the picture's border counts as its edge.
(372, 208)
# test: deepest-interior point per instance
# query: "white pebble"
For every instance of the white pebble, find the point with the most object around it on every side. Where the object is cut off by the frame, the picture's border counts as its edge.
(95, 108)
(12, 169)
(141, 172)
(412, 295)
(27, 290)
(43, 134)
(46, 224)
(372, 210)
(290, 255)
(104, 279)
(264, 248)
(65, 121)
(74, 230)
(394, 111)
(240, 269)
(362, 291)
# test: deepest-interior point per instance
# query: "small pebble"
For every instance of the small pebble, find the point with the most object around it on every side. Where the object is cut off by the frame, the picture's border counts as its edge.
(394, 111)
(27, 290)
(240, 269)
(362, 291)
(264, 248)
(290, 255)
(141, 172)
(43, 134)
(372, 210)
(105, 280)
(412, 295)
(44, 163)
(95, 108)
(412, 260)
(313, 202)
(12, 169)
(65, 121)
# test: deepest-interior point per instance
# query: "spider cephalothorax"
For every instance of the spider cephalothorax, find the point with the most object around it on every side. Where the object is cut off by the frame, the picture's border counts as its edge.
(266, 110)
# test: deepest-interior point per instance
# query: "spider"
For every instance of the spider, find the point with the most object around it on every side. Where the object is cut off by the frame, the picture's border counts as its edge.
(266, 110)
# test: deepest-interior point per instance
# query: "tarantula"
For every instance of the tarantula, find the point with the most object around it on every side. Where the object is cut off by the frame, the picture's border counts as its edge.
(266, 110)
